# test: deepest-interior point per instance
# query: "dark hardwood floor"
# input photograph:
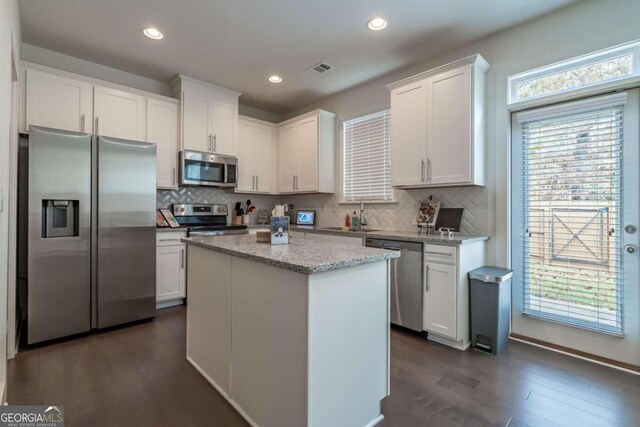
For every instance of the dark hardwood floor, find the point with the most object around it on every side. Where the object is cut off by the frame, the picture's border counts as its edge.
(138, 376)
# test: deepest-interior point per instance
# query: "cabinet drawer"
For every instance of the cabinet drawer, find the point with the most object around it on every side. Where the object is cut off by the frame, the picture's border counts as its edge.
(169, 237)
(440, 253)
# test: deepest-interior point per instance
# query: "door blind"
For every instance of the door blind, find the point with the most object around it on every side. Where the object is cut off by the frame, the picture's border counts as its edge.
(367, 163)
(571, 194)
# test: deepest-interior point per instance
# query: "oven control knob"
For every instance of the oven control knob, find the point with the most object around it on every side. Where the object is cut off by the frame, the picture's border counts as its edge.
(181, 209)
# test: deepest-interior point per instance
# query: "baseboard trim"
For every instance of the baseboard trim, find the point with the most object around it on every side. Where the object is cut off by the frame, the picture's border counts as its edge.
(583, 355)
(170, 303)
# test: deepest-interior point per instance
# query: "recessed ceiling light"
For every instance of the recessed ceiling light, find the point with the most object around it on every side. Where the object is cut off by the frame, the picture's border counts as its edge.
(275, 79)
(152, 33)
(377, 24)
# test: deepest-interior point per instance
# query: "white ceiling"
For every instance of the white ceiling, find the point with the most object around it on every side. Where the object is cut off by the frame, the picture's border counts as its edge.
(239, 43)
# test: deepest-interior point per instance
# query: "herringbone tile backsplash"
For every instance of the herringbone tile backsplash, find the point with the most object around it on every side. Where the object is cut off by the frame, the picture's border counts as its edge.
(402, 215)
(389, 216)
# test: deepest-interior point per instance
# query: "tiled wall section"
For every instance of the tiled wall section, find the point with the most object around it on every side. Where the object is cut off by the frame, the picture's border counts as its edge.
(389, 216)
(164, 198)
(402, 215)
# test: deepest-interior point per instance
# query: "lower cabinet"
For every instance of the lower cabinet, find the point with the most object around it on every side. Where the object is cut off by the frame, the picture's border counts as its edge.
(170, 269)
(440, 299)
(446, 291)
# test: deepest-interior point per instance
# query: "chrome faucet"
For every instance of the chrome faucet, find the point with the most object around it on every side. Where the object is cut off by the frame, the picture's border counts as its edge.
(363, 219)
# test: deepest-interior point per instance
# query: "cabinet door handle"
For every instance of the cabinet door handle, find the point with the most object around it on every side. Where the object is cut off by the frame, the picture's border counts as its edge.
(422, 170)
(209, 142)
(174, 176)
(257, 182)
(253, 182)
(426, 279)
(97, 123)
(429, 169)
(82, 123)
(215, 142)
(182, 259)
(294, 181)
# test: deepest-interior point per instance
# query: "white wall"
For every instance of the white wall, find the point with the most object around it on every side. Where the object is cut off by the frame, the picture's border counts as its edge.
(10, 40)
(576, 30)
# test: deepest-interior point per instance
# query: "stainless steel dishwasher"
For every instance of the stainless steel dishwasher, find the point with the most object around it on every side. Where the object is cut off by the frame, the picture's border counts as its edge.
(407, 274)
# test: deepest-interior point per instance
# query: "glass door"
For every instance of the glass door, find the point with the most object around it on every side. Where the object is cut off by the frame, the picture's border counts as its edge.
(575, 212)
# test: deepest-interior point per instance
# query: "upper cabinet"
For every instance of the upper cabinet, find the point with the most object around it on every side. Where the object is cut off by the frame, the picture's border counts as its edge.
(209, 116)
(306, 153)
(57, 102)
(256, 156)
(62, 100)
(437, 126)
(119, 114)
(162, 130)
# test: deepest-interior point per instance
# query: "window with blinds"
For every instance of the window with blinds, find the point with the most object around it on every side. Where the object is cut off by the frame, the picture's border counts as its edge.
(571, 198)
(366, 158)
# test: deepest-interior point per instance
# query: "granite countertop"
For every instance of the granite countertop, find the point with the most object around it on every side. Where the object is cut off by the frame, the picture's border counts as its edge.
(412, 236)
(301, 256)
(168, 229)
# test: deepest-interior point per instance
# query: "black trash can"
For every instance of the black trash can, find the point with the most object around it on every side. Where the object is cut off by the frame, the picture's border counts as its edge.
(490, 308)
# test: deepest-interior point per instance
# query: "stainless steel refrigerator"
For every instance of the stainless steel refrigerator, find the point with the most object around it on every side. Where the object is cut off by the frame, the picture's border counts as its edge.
(87, 245)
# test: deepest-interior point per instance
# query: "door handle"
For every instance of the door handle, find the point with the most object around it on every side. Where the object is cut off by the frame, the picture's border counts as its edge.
(82, 123)
(209, 142)
(174, 176)
(253, 182)
(631, 249)
(428, 169)
(257, 182)
(97, 123)
(293, 183)
(422, 173)
(182, 259)
(215, 142)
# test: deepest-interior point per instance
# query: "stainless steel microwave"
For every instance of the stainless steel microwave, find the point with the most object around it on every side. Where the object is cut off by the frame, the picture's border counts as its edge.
(212, 170)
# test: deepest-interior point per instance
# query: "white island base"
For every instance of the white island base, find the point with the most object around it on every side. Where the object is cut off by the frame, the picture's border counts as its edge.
(288, 349)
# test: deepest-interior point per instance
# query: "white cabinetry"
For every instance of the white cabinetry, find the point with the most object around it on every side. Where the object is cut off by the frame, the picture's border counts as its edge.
(256, 156)
(162, 130)
(209, 116)
(307, 153)
(170, 268)
(119, 114)
(408, 134)
(57, 102)
(62, 100)
(446, 291)
(437, 126)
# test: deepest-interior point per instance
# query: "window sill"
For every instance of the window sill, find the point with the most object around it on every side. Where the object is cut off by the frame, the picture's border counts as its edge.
(370, 202)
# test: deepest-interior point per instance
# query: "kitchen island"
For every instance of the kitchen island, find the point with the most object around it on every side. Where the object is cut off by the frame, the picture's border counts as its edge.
(291, 335)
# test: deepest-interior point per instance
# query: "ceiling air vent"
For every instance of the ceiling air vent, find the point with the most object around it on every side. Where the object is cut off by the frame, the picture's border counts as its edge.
(319, 68)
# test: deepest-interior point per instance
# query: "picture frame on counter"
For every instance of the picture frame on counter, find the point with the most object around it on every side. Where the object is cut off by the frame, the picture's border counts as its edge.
(168, 216)
(280, 230)
(428, 213)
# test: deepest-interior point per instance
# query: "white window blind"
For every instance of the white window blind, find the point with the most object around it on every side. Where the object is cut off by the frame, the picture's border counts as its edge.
(571, 194)
(367, 152)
